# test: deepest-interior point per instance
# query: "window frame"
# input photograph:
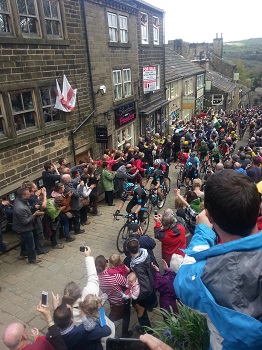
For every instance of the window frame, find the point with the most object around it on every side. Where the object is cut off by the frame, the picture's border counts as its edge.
(59, 19)
(158, 77)
(121, 32)
(156, 30)
(112, 27)
(200, 81)
(123, 83)
(34, 110)
(118, 83)
(3, 117)
(144, 28)
(50, 106)
(27, 15)
(9, 19)
(128, 83)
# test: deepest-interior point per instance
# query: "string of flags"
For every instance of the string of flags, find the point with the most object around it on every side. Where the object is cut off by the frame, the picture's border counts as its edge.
(65, 100)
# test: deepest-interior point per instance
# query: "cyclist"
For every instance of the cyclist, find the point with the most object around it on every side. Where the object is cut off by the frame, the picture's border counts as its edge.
(138, 199)
(186, 147)
(191, 169)
(215, 156)
(224, 148)
(157, 179)
(203, 151)
(165, 168)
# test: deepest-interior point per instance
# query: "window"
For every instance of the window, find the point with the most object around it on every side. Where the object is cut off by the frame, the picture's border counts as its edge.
(123, 29)
(48, 97)
(176, 93)
(2, 121)
(127, 82)
(157, 76)
(112, 25)
(144, 28)
(28, 16)
(122, 83)
(52, 18)
(125, 135)
(200, 81)
(156, 27)
(217, 100)
(117, 82)
(4, 17)
(188, 87)
(23, 109)
(117, 25)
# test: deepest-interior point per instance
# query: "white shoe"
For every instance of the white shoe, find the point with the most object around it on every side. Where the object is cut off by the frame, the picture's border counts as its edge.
(161, 203)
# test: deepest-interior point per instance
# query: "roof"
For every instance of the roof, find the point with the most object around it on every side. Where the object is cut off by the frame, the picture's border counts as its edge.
(142, 2)
(220, 81)
(178, 67)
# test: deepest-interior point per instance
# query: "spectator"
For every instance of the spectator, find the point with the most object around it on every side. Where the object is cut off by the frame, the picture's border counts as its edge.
(232, 204)
(94, 195)
(190, 213)
(197, 183)
(84, 192)
(108, 184)
(170, 234)
(3, 203)
(50, 176)
(140, 264)
(23, 223)
(166, 149)
(113, 285)
(16, 337)
(254, 171)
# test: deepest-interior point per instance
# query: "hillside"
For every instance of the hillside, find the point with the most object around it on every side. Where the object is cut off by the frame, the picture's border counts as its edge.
(248, 52)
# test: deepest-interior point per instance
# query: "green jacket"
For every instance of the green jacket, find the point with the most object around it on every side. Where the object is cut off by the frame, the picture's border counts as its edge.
(51, 210)
(108, 180)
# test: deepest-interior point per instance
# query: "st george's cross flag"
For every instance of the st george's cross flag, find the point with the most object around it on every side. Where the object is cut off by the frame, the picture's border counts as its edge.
(66, 100)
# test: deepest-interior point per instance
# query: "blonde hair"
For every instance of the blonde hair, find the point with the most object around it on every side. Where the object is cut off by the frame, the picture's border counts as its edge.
(178, 203)
(90, 305)
(115, 260)
(72, 292)
(197, 183)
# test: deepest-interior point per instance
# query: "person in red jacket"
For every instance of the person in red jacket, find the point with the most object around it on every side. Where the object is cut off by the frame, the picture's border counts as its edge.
(170, 234)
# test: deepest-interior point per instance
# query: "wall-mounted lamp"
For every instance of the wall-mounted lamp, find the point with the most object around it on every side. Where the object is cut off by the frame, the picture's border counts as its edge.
(107, 115)
(102, 90)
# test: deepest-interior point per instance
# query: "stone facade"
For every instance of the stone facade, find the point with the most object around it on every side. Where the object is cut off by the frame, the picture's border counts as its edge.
(32, 58)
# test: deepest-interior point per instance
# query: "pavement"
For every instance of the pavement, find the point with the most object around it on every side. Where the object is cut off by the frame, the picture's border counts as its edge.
(22, 284)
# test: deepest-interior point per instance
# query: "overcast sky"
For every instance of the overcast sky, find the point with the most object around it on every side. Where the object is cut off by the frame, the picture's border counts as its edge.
(199, 21)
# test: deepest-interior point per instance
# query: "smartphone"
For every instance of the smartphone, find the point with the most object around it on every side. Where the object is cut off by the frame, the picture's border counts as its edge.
(82, 248)
(44, 299)
(155, 212)
(125, 344)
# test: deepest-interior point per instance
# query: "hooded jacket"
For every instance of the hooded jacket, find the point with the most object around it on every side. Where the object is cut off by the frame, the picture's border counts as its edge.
(224, 283)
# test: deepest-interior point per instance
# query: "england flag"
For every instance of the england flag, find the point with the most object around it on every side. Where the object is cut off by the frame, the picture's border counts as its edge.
(66, 100)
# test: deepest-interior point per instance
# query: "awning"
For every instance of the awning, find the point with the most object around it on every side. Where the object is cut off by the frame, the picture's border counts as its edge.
(152, 107)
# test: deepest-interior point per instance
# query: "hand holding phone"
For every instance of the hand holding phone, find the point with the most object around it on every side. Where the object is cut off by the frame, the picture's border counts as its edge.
(125, 344)
(44, 299)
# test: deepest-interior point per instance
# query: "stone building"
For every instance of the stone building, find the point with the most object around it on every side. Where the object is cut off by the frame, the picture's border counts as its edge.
(40, 41)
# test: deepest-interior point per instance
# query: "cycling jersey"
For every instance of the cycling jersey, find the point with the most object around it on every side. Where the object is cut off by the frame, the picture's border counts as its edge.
(165, 168)
(158, 175)
(139, 196)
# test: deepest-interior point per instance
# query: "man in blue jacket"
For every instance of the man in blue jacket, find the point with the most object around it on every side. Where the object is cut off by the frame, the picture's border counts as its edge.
(223, 281)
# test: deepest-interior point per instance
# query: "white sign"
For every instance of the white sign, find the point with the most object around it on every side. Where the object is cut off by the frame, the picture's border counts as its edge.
(149, 78)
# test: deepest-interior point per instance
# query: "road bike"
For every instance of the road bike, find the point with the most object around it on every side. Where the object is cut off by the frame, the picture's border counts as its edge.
(124, 231)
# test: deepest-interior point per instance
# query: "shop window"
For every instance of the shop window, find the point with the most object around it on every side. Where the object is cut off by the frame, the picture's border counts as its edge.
(23, 109)
(48, 97)
(125, 135)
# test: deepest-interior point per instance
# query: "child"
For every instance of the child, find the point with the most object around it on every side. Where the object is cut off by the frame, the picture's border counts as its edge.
(132, 292)
(116, 266)
(164, 283)
(90, 307)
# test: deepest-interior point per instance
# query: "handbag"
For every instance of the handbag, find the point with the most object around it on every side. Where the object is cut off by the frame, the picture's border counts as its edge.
(116, 312)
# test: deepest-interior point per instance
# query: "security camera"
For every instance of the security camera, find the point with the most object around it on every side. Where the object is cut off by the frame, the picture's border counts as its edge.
(102, 89)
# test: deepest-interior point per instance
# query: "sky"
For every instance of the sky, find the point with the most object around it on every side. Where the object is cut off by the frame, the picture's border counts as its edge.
(200, 21)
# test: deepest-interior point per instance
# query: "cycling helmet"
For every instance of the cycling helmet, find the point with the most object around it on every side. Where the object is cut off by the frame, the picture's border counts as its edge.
(228, 139)
(157, 162)
(222, 130)
(252, 139)
(129, 186)
(150, 170)
(192, 155)
(189, 165)
(185, 143)
(202, 143)
(215, 150)
(223, 141)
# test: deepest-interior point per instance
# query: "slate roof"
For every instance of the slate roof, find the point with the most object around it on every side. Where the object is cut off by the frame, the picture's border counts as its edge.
(178, 67)
(149, 5)
(220, 81)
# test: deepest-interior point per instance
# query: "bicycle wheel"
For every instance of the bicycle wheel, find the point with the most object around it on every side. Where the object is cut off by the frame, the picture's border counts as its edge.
(160, 203)
(146, 218)
(149, 205)
(121, 237)
(168, 182)
(202, 172)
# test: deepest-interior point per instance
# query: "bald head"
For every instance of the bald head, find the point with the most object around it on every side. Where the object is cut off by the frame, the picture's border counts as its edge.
(219, 166)
(66, 178)
(14, 336)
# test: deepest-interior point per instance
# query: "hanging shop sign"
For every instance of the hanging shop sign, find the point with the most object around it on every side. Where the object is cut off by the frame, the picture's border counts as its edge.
(125, 114)
(101, 134)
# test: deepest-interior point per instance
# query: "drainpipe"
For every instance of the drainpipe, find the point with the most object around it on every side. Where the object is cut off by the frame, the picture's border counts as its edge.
(88, 56)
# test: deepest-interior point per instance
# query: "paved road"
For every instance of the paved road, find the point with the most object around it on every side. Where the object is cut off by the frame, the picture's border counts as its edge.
(22, 284)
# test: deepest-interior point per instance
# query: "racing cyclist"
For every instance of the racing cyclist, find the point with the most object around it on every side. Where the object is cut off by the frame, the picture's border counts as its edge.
(157, 180)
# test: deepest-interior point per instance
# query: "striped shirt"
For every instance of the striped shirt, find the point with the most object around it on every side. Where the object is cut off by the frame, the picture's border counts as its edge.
(112, 285)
